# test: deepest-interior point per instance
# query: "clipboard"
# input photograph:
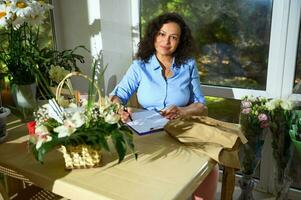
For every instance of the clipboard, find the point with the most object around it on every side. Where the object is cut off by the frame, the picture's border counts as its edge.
(147, 121)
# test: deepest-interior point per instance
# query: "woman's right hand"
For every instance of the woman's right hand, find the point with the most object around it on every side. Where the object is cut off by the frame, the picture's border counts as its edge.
(125, 115)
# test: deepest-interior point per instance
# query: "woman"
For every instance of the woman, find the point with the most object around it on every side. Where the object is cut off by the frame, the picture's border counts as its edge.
(165, 77)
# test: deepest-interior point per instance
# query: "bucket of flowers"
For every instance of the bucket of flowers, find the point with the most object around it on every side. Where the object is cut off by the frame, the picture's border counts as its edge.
(82, 130)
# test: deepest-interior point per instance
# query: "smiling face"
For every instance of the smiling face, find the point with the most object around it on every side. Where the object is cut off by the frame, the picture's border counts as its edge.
(167, 39)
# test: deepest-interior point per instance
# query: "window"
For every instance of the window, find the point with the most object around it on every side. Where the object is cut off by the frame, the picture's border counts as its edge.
(233, 38)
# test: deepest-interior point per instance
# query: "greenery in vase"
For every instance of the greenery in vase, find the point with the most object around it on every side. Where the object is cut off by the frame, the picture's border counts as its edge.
(19, 29)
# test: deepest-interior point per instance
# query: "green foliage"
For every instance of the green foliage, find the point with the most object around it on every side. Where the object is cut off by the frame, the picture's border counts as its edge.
(67, 59)
(223, 109)
(233, 37)
(295, 125)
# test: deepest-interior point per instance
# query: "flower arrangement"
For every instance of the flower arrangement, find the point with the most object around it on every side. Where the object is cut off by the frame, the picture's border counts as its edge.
(83, 128)
(280, 114)
(19, 26)
(253, 122)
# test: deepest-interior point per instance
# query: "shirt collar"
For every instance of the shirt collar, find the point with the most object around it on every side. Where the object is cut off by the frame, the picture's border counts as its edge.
(155, 63)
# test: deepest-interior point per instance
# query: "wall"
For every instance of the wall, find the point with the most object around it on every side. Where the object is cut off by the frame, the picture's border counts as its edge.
(98, 25)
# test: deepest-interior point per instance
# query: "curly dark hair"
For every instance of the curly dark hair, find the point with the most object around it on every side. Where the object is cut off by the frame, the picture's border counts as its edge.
(186, 49)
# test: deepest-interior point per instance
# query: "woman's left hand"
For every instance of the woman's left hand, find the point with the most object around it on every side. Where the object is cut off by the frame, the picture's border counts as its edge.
(173, 112)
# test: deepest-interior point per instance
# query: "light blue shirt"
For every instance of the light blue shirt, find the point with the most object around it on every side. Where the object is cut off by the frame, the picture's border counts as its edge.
(156, 93)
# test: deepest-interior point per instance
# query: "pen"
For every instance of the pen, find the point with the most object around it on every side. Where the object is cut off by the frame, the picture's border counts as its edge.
(126, 110)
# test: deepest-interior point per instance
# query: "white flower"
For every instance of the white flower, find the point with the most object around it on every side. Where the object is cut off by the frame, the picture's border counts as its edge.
(66, 129)
(112, 118)
(70, 125)
(18, 22)
(43, 135)
(5, 15)
(286, 104)
(78, 119)
(36, 19)
(272, 104)
(21, 8)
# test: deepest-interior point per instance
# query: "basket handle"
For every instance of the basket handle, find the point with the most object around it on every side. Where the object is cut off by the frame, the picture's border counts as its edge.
(61, 84)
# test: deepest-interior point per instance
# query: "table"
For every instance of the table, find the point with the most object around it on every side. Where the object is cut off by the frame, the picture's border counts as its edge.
(165, 169)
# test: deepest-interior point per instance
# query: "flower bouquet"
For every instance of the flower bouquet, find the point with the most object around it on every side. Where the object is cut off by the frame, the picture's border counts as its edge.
(81, 130)
(253, 122)
(280, 113)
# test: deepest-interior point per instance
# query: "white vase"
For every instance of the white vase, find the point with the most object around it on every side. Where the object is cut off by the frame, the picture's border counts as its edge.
(24, 97)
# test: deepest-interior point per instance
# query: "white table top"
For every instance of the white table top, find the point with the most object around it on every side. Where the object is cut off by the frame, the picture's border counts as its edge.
(165, 169)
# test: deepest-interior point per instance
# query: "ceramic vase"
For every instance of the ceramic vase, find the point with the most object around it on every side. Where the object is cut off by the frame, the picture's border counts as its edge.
(24, 97)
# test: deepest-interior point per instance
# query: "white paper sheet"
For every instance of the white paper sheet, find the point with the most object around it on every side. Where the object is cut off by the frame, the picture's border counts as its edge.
(147, 121)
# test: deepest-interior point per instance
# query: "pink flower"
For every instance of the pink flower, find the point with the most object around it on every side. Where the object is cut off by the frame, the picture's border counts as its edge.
(262, 117)
(246, 110)
(246, 104)
(264, 124)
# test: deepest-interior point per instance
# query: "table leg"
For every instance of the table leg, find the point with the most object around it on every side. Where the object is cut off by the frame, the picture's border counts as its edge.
(228, 183)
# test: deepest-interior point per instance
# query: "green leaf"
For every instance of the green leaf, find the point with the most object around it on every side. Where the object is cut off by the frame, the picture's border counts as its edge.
(119, 144)
(103, 142)
(128, 135)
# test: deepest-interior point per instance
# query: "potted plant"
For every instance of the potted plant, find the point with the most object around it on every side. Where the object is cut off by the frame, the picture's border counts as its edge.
(20, 42)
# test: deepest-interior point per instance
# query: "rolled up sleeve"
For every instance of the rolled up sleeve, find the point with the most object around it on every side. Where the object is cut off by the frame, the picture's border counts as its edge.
(129, 83)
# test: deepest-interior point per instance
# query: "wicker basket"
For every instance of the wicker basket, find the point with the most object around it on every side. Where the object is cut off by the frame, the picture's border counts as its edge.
(59, 89)
(81, 156)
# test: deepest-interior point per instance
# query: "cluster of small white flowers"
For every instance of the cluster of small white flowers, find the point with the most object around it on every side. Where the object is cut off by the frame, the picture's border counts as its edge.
(41, 115)
(107, 112)
(95, 114)
(18, 12)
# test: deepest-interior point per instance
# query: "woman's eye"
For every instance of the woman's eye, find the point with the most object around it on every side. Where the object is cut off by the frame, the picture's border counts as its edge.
(161, 34)
(174, 38)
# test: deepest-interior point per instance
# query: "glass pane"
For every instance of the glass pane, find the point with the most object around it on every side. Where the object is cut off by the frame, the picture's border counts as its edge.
(297, 81)
(233, 37)
(226, 110)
